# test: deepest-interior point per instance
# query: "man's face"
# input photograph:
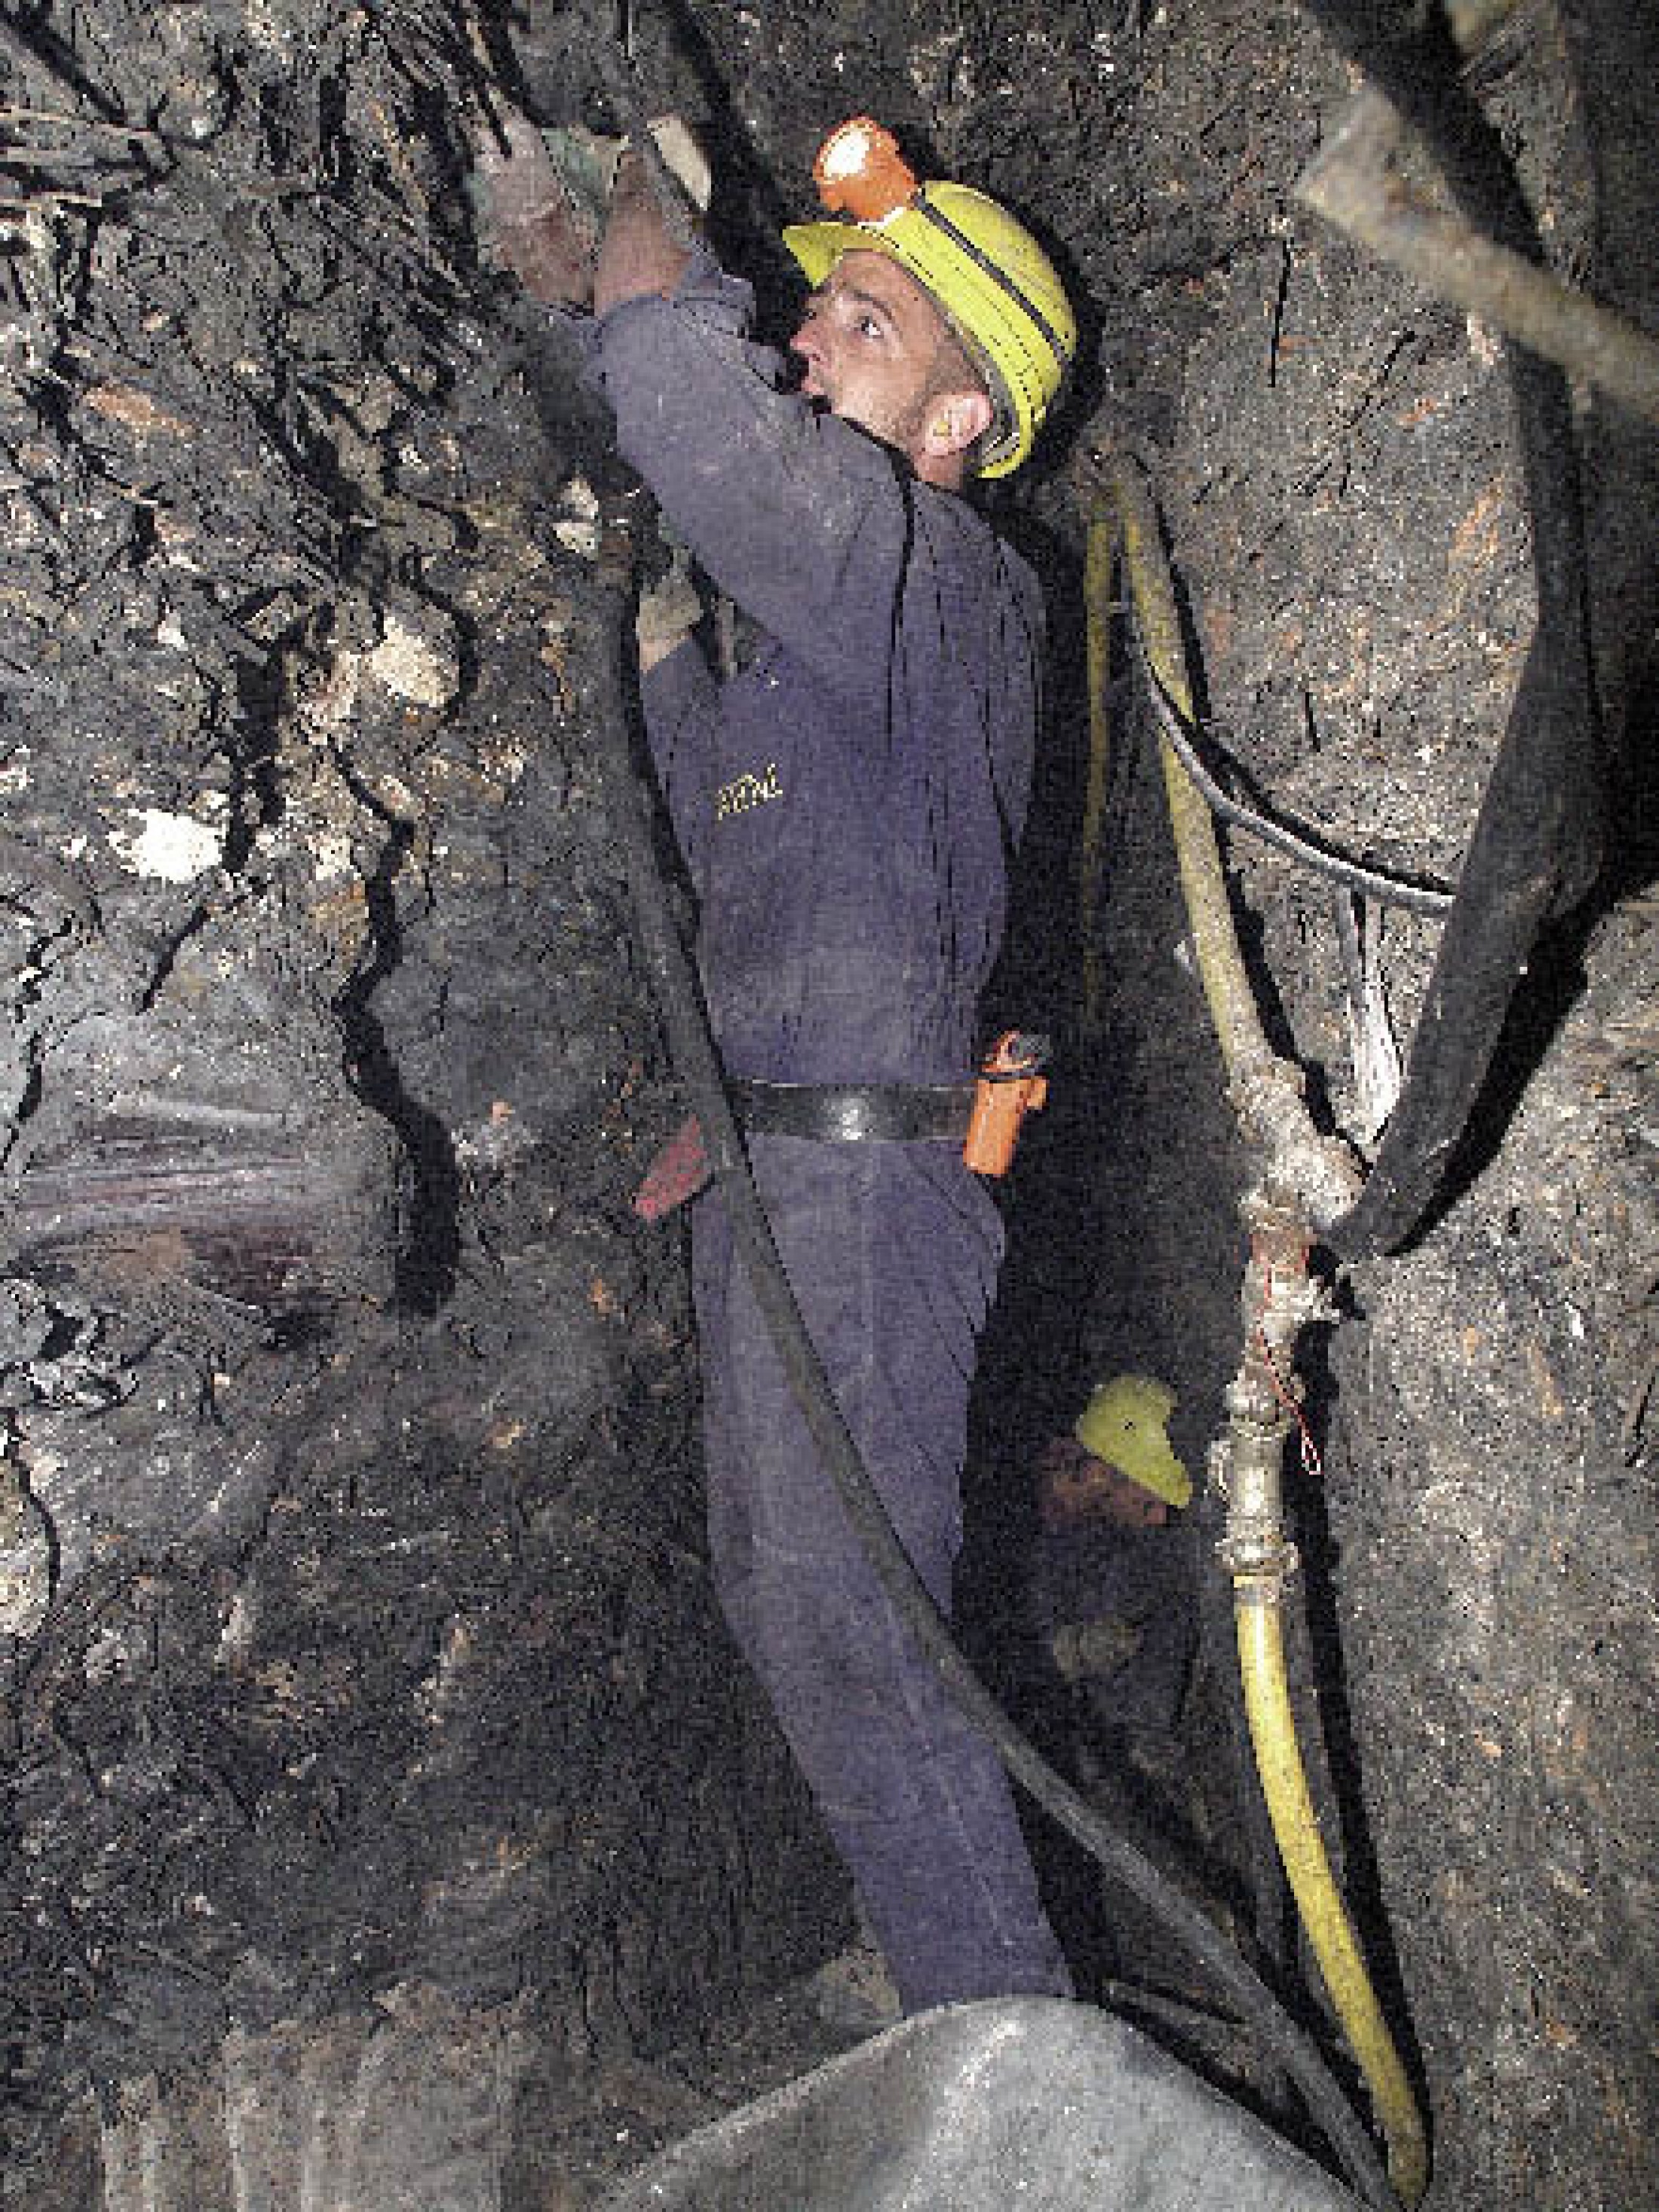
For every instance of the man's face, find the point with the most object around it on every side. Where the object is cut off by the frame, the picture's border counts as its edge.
(1074, 1486)
(869, 343)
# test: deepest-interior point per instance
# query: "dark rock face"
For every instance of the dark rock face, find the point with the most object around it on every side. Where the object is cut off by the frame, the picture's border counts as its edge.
(359, 1662)
(358, 1634)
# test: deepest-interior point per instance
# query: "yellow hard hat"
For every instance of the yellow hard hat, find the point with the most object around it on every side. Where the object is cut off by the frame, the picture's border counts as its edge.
(989, 278)
(1123, 1424)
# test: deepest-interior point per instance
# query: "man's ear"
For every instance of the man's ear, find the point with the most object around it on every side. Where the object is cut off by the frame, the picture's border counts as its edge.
(955, 421)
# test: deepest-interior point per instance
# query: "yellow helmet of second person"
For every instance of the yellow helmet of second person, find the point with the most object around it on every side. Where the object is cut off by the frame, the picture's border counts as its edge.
(992, 283)
(1124, 1424)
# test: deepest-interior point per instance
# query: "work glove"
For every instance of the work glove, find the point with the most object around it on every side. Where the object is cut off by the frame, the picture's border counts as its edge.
(538, 218)
(668, 611)
(545, 195)
(681, 153)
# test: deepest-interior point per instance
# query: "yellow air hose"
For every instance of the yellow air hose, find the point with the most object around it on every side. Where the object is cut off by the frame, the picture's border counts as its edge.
(1221, 966)
(1296, 1829)
(1254, 1076)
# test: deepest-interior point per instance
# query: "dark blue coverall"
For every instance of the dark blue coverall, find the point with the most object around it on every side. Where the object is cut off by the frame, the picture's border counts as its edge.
(845, 806)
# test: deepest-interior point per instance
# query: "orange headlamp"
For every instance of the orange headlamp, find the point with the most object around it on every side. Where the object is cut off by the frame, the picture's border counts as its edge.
(861, 173)
(981, 268)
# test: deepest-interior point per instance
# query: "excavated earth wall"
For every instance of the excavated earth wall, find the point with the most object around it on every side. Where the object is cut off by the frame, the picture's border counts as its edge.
(1335, 454)
(361, 1668)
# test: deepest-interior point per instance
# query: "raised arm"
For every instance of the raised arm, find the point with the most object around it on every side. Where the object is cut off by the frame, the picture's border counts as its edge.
(799, 518)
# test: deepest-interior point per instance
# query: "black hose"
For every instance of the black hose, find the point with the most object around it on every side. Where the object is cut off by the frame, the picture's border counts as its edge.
(624, 505)
(695, 1057)
(1381, 886)
(1536, 847)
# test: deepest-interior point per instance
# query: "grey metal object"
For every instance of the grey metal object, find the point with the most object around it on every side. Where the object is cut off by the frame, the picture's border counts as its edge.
(1025, 2102)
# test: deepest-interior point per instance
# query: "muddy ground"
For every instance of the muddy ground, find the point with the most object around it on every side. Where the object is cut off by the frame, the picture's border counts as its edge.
(360, 1664)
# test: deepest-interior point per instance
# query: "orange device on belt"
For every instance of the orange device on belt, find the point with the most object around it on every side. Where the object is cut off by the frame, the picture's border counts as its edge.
(1010, 1086)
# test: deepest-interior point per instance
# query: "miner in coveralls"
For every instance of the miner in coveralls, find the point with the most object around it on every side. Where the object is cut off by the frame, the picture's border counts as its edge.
(845, 805)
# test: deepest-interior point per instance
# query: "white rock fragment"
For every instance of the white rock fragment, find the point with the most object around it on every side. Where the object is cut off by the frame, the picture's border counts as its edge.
(175, 848)
(413, 665)
(577, 526)
(330, 704)
(330, 858)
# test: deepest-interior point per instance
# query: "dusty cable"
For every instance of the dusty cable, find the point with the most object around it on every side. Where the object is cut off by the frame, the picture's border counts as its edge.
(1349, 185)
(696, 1057)
(698, 1063)
(1536, 846)
(1385, 888)
(1266, 1089)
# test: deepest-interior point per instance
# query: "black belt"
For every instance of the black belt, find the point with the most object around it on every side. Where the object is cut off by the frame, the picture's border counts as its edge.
(853, 1113)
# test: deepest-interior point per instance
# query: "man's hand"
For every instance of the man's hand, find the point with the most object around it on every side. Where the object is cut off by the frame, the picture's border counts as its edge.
(545, 212)
(667, 613)
(535, 226)
(639, 254)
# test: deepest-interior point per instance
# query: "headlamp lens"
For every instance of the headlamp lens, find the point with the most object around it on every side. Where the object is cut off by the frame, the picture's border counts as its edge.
(861, 173)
